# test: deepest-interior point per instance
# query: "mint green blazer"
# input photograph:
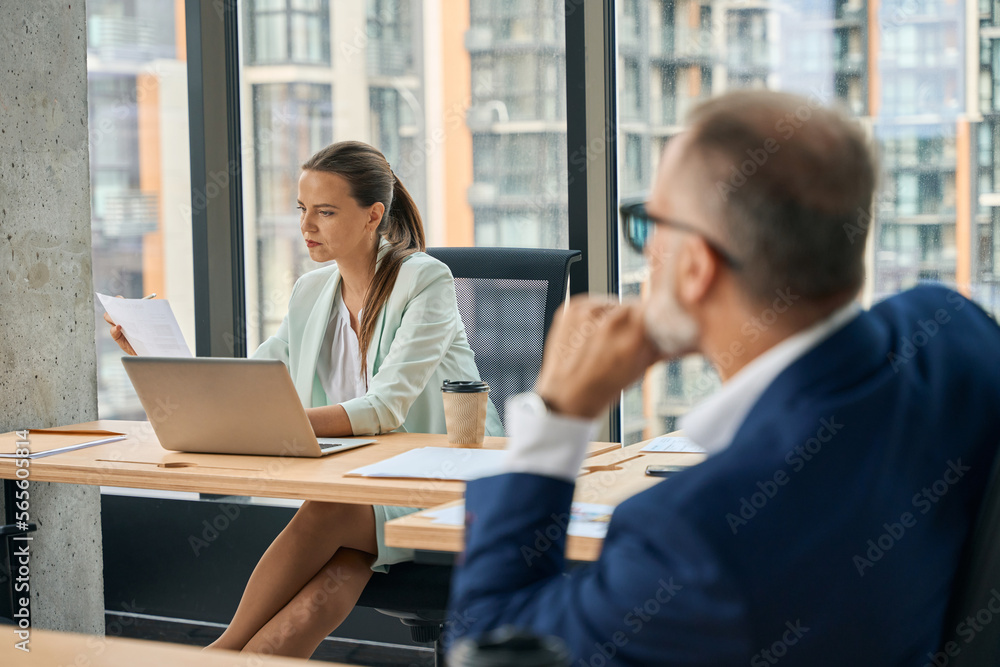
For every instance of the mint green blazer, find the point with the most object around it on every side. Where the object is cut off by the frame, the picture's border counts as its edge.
(419, 343)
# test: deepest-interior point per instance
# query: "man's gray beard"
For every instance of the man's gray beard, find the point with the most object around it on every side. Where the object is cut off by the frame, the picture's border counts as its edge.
(673, 330)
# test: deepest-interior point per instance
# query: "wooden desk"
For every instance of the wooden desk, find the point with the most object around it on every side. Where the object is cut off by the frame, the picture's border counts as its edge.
(140, 462)
(608, 479)
(50, 648)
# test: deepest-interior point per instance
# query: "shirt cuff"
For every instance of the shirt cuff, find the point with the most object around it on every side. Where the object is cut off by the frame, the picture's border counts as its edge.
(543, 443)
(362, 415)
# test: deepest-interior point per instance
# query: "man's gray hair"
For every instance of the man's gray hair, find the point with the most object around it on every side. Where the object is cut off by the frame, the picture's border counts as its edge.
(795, 182)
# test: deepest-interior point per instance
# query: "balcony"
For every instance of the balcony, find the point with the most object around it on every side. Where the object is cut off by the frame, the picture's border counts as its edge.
(114, 38)
(389, 59)
(478, 39)
(481, 194)
(523, 37)
(851, 14)
(684, 45)
(850, 63)
(511, 195)
(482, 117)
(748, 60)
(129, 214)
(629, 38)
(664, 111)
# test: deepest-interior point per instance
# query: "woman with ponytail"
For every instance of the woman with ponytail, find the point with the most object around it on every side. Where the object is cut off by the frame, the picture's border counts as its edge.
(368, 341)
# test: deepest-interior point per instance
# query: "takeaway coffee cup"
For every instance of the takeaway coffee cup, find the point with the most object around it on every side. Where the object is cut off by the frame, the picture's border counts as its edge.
(465, 410)
(509, 648)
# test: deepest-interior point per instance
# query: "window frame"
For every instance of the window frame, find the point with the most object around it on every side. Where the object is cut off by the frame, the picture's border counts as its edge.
(216, 178)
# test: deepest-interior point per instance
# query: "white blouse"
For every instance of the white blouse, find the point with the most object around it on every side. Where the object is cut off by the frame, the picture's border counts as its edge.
(339, 364)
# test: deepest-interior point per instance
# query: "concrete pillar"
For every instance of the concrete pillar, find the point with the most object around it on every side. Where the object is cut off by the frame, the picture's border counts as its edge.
(48, 372)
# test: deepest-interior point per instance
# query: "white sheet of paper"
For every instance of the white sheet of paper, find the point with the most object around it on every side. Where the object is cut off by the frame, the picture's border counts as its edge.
(449, 516)
(589, 520)
(149, 325)
(438, 463)
(68, 448)
(673, 444)
(586, 519)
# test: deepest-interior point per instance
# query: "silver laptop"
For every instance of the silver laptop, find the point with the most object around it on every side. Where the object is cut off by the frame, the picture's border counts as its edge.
(227, 406)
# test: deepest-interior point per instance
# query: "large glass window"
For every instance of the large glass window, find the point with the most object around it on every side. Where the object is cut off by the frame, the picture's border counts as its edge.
(139, 172)
(905, 79)
(289, 120)
(466, 99)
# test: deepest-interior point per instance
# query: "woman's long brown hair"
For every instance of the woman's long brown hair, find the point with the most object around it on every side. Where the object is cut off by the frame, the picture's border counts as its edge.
(371, 180)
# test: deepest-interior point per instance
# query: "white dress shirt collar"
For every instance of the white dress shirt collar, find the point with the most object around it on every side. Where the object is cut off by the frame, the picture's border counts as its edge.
(713, 422)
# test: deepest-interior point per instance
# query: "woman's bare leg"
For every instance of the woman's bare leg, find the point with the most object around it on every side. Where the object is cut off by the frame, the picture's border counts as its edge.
(301, 550)
(317, 609)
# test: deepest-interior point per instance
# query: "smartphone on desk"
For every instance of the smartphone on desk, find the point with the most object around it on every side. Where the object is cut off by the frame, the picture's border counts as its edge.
(658, 470)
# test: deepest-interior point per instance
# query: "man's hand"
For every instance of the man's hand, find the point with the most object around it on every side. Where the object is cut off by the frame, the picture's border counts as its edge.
(594, 350)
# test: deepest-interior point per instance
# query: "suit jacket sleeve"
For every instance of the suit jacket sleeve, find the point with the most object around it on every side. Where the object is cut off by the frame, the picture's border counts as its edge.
(657, 595)
(428, 327)
(276, 346)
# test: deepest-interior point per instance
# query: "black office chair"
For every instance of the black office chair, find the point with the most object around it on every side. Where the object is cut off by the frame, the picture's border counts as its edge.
(976, 583)
(507, 298)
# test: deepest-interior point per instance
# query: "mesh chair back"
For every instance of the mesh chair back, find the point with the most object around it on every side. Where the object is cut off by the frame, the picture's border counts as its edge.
(507, 298)
(977, 588)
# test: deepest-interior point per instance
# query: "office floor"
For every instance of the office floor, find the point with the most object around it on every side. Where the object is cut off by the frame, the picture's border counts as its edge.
(368, 654)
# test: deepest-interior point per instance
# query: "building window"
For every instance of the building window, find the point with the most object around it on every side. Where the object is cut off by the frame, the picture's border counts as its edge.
(632, 89)
(291, 121)
(288, 31)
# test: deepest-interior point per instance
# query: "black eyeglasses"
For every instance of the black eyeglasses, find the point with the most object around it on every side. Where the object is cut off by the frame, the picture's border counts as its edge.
(637, 226)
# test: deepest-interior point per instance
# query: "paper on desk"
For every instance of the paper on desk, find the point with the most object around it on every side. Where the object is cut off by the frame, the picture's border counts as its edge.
(668, 443)
(589, 520)
(46, 442)
(149, 325)
(448, 516)
(586, 519)
(438, 463)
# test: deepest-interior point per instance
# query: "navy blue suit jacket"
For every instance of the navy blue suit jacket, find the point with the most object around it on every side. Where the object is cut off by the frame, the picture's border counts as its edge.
(828, 533)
